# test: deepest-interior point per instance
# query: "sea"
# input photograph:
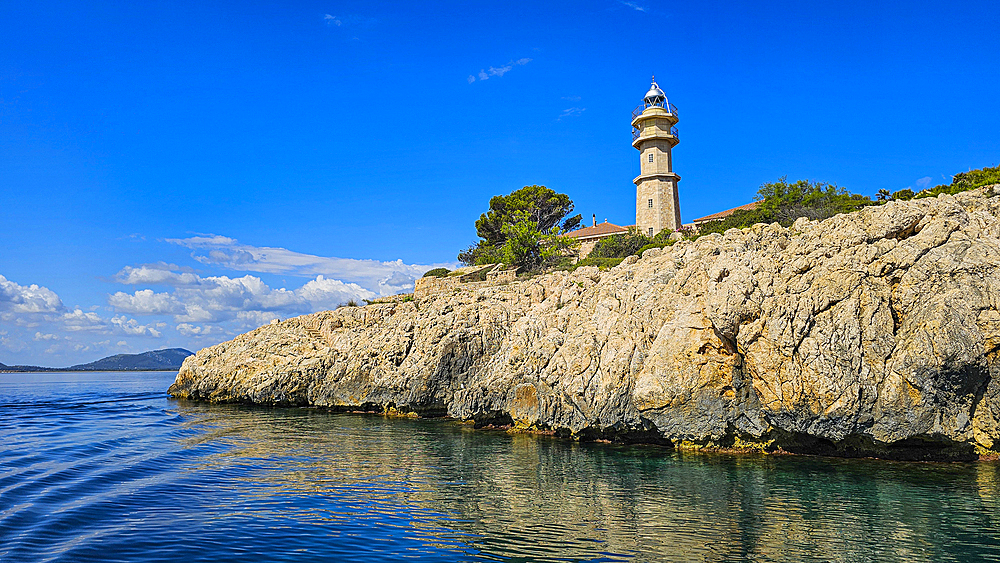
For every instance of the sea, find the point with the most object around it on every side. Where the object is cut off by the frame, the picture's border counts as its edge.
(107, 467)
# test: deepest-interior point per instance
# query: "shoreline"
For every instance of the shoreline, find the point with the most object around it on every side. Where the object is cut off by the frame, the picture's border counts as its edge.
(868, 334)
(90, 371)
(686, 446)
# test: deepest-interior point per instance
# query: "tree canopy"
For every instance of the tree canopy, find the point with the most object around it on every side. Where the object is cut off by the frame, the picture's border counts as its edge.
(523, 229)
(543, 206)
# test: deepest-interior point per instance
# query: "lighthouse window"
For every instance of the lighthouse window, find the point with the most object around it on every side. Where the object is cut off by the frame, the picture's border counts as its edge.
(651, 231)
(651, 157)
(650, 204)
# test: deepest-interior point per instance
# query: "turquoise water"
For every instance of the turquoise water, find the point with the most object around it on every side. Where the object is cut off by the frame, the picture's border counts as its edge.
(105, 467)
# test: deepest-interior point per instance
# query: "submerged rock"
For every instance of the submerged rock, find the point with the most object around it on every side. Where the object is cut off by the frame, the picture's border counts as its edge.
(870, 333)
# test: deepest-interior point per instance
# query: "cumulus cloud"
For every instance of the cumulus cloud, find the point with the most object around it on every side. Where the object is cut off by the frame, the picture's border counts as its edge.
(43, 331)
(247, 300)
(17, 298)
(188, 329)
(383, 278)
(78, 320)
(486, 74)
(145, 302)
(132, 327)
(156, 274)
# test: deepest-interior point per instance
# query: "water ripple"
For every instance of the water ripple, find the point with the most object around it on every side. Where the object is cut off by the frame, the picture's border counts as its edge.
(103, 467)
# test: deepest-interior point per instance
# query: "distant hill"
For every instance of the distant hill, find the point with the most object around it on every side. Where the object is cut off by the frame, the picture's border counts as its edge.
(166, 360)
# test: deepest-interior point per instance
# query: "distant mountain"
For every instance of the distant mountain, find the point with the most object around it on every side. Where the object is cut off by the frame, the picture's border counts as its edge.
(166, 359)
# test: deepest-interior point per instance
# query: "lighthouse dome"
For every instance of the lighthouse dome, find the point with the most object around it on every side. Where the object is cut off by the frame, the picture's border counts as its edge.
(654, 95)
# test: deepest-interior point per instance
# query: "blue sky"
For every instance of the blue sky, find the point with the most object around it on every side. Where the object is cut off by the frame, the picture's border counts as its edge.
(174, 173)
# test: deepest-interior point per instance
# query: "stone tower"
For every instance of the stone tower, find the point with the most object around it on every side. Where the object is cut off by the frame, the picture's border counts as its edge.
(654, 135)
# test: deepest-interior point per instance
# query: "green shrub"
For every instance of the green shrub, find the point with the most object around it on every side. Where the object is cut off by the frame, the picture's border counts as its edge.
(903, 195)
(782, 202)
(601, 263)
(965, 181)
(655, 245)
(437, 273)
(620, 246)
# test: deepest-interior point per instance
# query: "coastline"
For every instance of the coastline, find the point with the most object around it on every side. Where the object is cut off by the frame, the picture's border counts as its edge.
(869, 334)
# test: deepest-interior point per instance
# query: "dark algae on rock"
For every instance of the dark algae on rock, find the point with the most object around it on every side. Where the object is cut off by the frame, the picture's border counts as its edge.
(872, 333)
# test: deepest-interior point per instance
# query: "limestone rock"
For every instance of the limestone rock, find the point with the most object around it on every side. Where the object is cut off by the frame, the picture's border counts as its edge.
(870, 333)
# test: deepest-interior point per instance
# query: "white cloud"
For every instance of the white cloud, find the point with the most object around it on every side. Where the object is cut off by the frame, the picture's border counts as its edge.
(634, 6)
(155, 274)
(498, 71)
(32, 298)
(921, 184)
(569, 112)
(145, 302)
(78, 320)
(247, 300)
(331, 20)
(187, 329)
(11, 343)
(43, 331)
(132, 327)
(255, 318)
(384, 278)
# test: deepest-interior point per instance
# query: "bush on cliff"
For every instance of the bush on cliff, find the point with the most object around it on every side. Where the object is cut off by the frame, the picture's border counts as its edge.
(602, 263)
(620, 246)
(437, 273)
(964, 181)
(627, 244)
(783, 202)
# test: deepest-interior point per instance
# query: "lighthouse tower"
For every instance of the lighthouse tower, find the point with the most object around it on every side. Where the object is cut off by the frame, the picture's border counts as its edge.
(654, 135)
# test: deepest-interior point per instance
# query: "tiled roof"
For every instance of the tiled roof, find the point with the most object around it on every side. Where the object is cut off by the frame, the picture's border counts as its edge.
(726, 213)
(601, 230)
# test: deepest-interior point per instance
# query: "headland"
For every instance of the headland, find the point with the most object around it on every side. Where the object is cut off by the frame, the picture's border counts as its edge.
(872, 333)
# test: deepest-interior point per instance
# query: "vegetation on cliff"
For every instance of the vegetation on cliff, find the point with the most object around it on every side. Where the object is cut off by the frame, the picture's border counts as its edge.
(783, 202)
(872, 333)
(965, 181)
(522, 230)
(437, 273)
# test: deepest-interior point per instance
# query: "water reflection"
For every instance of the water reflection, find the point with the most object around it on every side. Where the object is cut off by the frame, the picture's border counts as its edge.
(487, 495)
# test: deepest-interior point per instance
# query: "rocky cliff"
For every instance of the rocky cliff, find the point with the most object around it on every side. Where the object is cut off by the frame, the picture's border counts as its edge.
(870, 333)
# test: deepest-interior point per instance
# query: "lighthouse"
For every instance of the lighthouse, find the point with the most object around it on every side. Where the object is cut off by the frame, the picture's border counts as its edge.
(654, 135)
